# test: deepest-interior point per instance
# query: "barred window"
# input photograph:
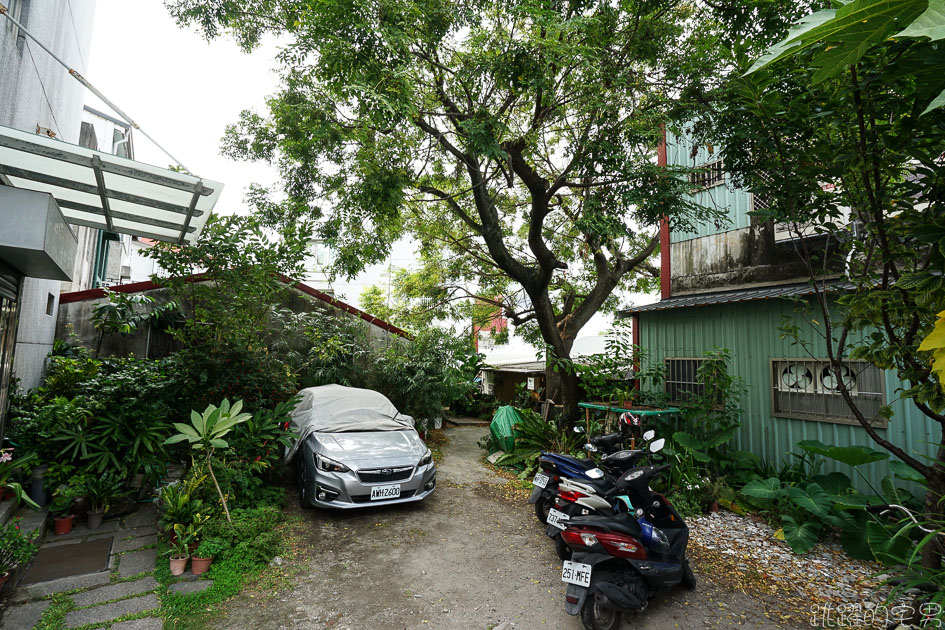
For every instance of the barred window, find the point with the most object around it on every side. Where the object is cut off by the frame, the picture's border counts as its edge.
(682, 383)
(709, 175)
(810, 390)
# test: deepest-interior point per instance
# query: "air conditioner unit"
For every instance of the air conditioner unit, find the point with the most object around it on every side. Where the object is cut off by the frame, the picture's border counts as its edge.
(796, 378)
(830, 380)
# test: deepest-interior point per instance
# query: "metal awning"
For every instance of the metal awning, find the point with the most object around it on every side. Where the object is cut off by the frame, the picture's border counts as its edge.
(107, 192)
(726, 297)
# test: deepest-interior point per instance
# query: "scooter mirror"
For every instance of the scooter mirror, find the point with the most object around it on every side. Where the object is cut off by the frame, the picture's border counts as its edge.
(649, 435)
(590, 448)
(579, 429)
(657, 446)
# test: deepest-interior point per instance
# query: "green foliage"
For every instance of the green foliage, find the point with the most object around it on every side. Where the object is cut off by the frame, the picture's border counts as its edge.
(122, 314)
(242, 269)
(206, 431)
(934, 342)
(259, 441)
(550, 166)
(16, 546)
(534, 435)
(179, 502)
(103, 490)
(211, 547)
(11, 468)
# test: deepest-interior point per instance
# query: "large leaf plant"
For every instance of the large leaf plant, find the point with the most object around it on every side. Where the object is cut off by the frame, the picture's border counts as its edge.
(205, 433)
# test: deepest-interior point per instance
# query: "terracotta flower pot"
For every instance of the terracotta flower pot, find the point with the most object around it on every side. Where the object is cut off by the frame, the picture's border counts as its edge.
(714, 506)
(95, 519)
(178, 564)
(199, 565)
(62, 524)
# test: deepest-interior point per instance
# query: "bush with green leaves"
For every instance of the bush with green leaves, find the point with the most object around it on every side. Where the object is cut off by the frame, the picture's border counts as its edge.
(533, 435)
(206, 432)
(16, 546)
(808, 502)
(179, 502)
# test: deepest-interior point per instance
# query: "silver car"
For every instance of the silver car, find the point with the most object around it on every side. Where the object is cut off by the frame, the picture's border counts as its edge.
(355, 450)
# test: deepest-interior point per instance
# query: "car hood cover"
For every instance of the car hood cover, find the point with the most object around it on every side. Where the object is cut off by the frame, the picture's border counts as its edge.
(339, 409)
(371, 449)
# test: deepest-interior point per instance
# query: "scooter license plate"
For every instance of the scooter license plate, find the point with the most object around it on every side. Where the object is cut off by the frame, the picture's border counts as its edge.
(576, 573)
(540, 480)
(558, 519)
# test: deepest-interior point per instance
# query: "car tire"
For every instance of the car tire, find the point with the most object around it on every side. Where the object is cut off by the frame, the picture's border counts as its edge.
(688, 577)
(300, 481)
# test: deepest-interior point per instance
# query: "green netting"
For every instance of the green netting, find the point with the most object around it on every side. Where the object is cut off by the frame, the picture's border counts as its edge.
(502, 422)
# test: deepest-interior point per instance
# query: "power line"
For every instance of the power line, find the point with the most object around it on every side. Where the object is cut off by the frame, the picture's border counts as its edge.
(75, 33)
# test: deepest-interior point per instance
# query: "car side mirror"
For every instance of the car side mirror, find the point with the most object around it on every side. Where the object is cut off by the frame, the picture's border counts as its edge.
(649, 435)
(657, 446)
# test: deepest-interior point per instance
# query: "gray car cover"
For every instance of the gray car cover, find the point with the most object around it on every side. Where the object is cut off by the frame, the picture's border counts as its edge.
(335, 409)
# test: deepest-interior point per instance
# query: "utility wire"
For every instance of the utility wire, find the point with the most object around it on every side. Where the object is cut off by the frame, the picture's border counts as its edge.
(78, 77)
(75, 33)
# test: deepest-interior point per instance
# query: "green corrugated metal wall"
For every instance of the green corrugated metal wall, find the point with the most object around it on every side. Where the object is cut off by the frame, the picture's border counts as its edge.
(736, 202)
(749, 330)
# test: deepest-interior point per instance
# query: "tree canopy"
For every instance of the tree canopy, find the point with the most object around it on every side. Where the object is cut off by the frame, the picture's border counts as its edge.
(516, 140)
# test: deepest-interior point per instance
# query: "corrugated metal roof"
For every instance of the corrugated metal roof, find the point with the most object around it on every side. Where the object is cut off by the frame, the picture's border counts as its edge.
(745, 295)
(529, 366)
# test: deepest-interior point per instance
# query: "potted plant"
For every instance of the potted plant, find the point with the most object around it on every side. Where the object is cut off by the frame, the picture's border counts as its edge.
(205, 553)
(178, 503)
(16, 548)
(713, 491)
(180, 550)
(61, 510)
(102, 491)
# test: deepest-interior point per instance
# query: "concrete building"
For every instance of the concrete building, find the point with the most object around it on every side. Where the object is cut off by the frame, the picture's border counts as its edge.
(37, 95)
(70, 196)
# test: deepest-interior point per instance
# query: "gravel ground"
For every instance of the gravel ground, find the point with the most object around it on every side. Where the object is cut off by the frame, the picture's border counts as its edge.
(471, 556)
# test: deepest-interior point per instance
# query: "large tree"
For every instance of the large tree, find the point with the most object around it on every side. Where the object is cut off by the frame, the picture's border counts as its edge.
(516, 140)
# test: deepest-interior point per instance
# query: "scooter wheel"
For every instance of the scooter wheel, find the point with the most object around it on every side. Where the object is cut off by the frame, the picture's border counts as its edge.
(598, 614)
(542, 507)
(688, 577)
(562, 549)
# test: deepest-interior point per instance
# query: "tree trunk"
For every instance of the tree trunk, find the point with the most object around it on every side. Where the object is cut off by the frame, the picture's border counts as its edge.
(562, 387)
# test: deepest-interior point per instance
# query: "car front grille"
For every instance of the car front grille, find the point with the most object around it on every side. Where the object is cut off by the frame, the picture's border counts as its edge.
(366, 498)
(382, 475)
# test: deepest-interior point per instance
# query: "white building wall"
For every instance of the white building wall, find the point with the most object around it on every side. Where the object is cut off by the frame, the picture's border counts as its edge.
(35, 91)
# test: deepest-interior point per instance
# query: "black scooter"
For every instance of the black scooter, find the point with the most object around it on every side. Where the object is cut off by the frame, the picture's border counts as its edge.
(621, 562)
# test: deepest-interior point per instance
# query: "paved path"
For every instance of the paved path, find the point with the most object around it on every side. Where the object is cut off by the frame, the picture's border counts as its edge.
(126, 590)
(468, 557)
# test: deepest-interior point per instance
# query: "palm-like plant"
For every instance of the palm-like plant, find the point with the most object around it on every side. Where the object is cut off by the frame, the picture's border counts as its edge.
(205, 433)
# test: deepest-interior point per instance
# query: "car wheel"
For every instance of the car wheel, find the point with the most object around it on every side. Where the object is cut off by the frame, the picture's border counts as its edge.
(300, 480)
(598, 615)
(688, 577)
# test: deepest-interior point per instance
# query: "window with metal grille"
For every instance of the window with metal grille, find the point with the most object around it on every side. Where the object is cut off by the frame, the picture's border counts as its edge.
(809, 389)
(709, 175)
(682, 382)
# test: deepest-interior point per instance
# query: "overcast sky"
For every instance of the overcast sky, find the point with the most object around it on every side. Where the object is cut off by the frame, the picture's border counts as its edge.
(182, 90)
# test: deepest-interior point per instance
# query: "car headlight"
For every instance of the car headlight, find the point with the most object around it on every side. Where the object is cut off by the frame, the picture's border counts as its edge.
(426, 459)
(329, 465)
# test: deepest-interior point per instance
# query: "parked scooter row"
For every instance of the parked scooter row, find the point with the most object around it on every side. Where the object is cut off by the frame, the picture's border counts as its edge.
(622, 543)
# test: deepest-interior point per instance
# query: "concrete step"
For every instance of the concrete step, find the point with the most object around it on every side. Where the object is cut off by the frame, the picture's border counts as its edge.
(7, 508)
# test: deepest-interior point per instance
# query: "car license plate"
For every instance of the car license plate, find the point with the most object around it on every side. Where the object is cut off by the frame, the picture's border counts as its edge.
(556, 518)
(540, 480)
(385, 492)
(576, 573)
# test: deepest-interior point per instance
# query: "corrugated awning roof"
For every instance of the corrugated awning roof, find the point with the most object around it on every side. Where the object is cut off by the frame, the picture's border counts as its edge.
(746, 295)
(528, 366)
(107, 192)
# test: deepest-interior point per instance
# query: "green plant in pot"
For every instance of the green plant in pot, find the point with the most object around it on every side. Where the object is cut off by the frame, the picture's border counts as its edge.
(103, 491)
(10, 467)
(61, 510)
(180, 549)
(178, 503)
(205, 553)
(16, 548)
